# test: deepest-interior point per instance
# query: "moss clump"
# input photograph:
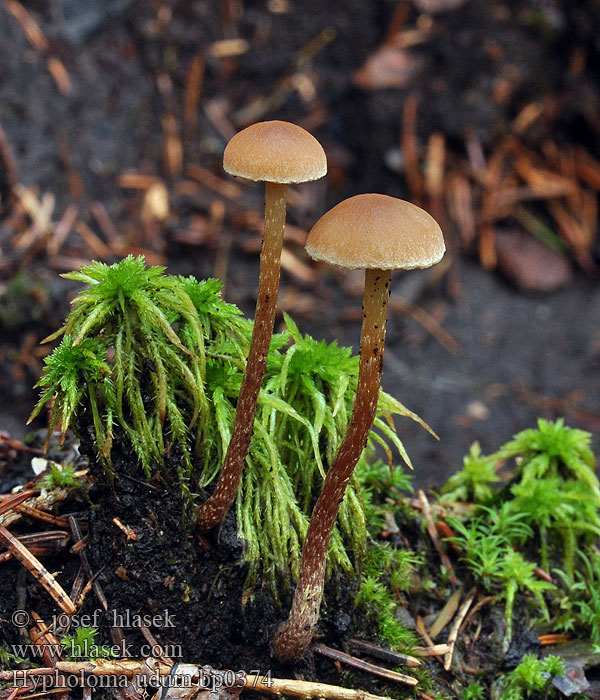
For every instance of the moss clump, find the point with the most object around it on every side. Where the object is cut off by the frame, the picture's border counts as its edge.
(388, 571)
(532, 678)
(474, 481)
(83, 646)
(159, 360)
(60, 476)
(547, 513)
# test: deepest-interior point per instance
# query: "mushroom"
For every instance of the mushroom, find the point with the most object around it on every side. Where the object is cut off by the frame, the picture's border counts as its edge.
(278, 153)
(378, 233)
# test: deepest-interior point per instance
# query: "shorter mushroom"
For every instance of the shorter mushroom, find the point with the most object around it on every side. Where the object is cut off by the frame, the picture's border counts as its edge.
(378, 233)
(278, 153)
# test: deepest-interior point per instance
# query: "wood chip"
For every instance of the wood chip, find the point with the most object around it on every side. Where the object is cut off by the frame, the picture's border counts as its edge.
(227, 48)
(446, 613)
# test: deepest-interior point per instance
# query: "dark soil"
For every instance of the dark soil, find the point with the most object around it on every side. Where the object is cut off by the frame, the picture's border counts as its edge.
(188, 590)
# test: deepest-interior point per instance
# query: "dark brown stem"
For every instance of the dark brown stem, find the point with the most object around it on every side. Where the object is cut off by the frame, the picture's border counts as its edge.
(212, 511)
(294, 635)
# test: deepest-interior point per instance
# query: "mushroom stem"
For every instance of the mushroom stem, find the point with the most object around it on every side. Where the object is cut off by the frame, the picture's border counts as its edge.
(293, 636)
(213, 510)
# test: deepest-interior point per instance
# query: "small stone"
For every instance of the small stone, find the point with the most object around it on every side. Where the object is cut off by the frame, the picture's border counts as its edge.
(403, 616)
(529, 264)
(478, 410)
(388, 67)
(39, 465)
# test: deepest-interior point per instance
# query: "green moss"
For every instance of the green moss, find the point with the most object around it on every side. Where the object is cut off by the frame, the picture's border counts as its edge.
(24, 299)
(553, 450)
(474, 691)
(158, 361)
(388, 571)
(82, 645)
(547, 514)
(532, 678)
(473, 481)
(9, 660)
(60, 476)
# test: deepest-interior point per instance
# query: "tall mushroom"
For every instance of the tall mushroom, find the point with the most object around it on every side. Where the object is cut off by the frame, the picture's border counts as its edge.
(278, 153)
(378, 233)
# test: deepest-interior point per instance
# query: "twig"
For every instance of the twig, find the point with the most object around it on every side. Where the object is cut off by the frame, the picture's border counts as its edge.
(9, 503)
(6, 442)
(42, 636)
(540, 573)
(42, 515)
(305, 689)
(7, 160)
(38, 571)
(384, 654)
(127, 530)
(41, 543)
(98, 211)
(431, 529)
(21, 675)
(452, 636)
(425, 319)
(40, 211)
(97, 246)
(546, 639)
(487, 237)
(480, 603)
(290, 263)
(364, 665)
(58, 71)
(38, 502)
(77, 587)
(172, 149)
(77, 537)
(229, 190)
(39, 42)
(62, 229)
(409, 147)
(193, 91)
(74, 181)
(433, 650)
(157, 649)
(29, 26)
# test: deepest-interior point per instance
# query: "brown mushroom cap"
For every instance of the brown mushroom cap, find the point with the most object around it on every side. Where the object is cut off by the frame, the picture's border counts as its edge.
(376, 231)
(275, 151)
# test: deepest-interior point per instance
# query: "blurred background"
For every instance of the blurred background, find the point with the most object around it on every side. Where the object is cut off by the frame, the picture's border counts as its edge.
(113, 119)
